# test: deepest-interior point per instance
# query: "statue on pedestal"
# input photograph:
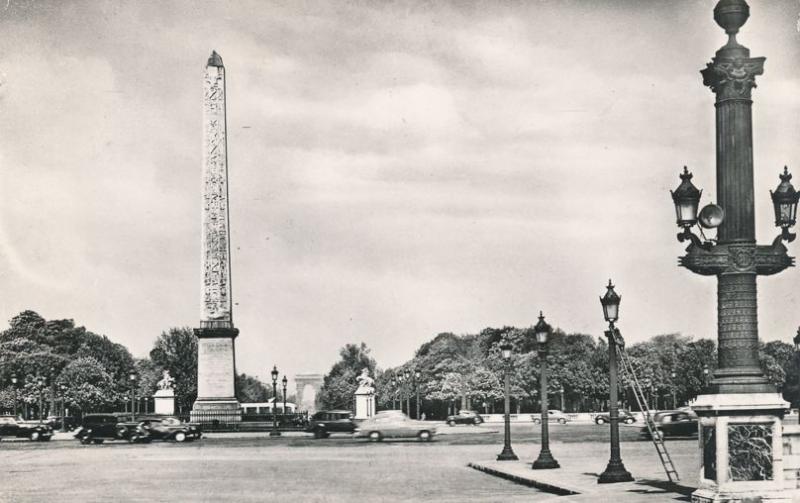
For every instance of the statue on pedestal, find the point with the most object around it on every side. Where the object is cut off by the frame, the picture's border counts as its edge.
(165, 395)
(167, 381)
(365, 396)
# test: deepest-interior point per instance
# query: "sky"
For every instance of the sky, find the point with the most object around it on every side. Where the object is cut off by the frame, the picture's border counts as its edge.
(396, 169)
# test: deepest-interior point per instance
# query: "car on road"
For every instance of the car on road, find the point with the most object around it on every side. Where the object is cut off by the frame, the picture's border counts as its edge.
(97, 428)
(394, 424)
(465, 417)
(325, 422)
(553, 416)
(68, 423)
(625, 416)
(673, 423)
(11, 426)
(167, 428)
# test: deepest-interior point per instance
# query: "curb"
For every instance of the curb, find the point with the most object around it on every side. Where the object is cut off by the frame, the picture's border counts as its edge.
(544, 486)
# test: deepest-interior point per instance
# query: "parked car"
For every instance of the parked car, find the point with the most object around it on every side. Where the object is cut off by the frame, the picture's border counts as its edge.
(394, 424)
(97, 428)
(553, 416)
(325, 422)
(167, 428)
(465, 417)
(11, 426)
(624, 416)
(673, 423)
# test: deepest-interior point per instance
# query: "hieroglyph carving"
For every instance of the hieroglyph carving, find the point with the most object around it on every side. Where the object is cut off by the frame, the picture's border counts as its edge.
(216, 304)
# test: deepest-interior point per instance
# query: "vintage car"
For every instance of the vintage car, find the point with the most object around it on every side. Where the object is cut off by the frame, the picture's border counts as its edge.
(325, 422)
(394, 424)
(624, 417)
(97, 428)
(167, 428)
(553, 416)
(11, 426)
(673, 423)
(465, 417)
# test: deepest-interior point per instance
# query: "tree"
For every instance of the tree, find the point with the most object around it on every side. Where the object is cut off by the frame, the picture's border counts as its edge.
(176, 350)
(250, 389)
(89, 386)
(340, 384)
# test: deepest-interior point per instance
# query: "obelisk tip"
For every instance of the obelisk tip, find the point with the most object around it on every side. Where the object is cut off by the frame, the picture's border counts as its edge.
(215, 60)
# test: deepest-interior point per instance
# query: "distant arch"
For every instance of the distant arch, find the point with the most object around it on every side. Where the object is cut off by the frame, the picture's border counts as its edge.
(308, 388)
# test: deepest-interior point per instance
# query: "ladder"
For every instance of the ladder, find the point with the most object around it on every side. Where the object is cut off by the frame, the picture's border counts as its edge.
(655, 435)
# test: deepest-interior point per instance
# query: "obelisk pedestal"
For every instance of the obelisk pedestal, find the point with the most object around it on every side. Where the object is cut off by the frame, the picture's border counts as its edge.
(216, 368)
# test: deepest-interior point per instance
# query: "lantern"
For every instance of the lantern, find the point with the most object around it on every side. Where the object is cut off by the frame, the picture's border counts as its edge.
(610, 302)
(541, 330)
(505, 351)
(285, 381)
(274, 373)
(796, 343)
(686, 199)
(784, 199)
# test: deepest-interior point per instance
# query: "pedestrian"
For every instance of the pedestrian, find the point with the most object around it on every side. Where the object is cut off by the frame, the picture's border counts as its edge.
(422, 416)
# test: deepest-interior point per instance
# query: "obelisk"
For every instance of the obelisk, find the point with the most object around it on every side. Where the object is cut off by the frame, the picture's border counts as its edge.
(216, 367)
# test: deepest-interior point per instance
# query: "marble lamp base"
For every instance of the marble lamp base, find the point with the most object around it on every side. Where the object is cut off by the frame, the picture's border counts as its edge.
(741, 448)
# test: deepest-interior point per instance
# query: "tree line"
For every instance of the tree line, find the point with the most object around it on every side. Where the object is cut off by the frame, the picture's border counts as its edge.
(466, 372)
(57, 363)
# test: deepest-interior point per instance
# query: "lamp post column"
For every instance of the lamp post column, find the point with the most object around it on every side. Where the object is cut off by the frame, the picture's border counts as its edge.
(615, 470)
(285, 381)
(274, 432)
(417, 376)
(545, 459)
(16, 398)
(508, 452)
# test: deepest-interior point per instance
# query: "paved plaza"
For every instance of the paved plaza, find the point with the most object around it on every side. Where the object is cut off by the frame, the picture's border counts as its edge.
(254, 467)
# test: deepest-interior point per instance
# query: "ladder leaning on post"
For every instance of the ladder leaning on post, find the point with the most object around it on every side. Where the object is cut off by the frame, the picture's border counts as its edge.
(656, 435)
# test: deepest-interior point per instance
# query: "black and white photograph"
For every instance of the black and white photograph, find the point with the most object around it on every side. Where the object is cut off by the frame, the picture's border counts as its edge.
(377, 251)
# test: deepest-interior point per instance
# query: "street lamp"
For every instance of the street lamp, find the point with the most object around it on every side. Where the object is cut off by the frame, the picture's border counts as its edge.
(705, 375)
(400, 389)
(561, 391)
(41, 382)
(274, 432)
(672, 376)
(784, 200)
(394, 393)
(508, 453)
(407, 380)
(284, 381)
(132, 378)
(63, 389)
(545, 459)
(14, 384)
(615, 470)
(417, 375)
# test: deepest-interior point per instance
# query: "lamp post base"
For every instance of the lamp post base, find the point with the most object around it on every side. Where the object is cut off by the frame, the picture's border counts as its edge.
(545, 461)
(507, 454)
(615, 472)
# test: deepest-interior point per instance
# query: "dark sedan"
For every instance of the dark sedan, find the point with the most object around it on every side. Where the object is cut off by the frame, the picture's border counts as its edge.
(465, 417)
(11, 426)
(97, 428)
(168, 428)
(624, 416)
(673, 423)
(325, 422)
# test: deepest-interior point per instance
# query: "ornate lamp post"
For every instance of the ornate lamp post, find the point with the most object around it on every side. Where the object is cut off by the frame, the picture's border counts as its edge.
(739, 404)
(63, 390)
(401, 390)
(417, 375)
(394, 393)
(41, 383)
(14, 384)
(508, 452)
(672, 376)
(561, 392)
(796, 341)
(274, 432)
(705, 376)
(407, 380)
(132, 379)
(284, 381)
(615, 470)
(545, 459)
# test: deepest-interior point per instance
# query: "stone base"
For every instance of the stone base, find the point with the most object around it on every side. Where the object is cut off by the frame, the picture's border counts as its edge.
(365, 405)
(741, 448)
(164, 402)
(216, 411)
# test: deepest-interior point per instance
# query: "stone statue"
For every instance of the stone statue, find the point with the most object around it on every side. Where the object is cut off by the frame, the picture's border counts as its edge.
(365, 383)
(167, 381)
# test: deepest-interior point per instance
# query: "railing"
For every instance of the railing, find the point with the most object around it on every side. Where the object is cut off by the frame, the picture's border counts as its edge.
(236, 421)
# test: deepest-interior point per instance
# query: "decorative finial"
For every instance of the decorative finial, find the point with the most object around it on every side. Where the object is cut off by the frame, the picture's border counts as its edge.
(686, 175)
(215, 60)
(786, 176)
(731, 15)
